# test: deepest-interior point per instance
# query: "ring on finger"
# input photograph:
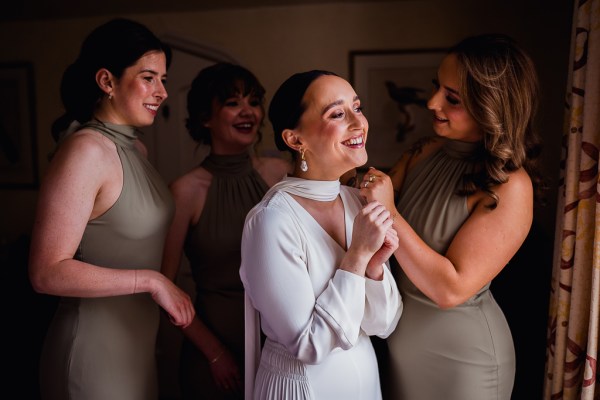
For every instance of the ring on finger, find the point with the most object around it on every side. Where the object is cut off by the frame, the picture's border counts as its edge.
(366, 184)
(371, 178)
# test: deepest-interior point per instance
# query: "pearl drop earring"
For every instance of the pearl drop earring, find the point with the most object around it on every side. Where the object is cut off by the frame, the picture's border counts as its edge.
(303, 164)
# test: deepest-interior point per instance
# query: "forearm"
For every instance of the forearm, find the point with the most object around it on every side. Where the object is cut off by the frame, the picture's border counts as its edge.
(383, 305)
(199, 334)
(355, 261)
(311, 328)
(75, 278)
(170, 263)
(374, 271)
(429, 271)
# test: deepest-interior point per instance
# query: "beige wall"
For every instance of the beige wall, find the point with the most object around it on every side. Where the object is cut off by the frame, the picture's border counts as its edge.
(275, 42)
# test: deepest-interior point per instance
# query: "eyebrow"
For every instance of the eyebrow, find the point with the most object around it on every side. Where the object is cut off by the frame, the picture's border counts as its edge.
(151, 71)
(452, 90)
(448, 88)
(336, 103)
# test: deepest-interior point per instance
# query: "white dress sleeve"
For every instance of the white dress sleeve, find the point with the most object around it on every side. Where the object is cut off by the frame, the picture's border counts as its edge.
(383, 306)
(275, 275)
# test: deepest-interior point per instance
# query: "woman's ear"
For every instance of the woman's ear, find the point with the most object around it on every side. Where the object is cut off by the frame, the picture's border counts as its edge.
(205, 121)
(105, 81)
(291, 139)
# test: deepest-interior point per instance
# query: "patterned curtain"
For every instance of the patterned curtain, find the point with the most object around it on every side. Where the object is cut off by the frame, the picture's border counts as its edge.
(573, 331)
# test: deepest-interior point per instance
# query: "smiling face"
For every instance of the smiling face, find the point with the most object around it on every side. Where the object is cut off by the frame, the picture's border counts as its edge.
(450, 118)
(234, 125)
(139, 92)
(332, 129)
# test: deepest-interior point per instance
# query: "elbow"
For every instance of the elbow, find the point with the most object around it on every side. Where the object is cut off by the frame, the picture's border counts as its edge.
(311, 357)
(38, 285)
(449, 293)
(447, 300)
(446, 304)
(39, 281)
(314, 354)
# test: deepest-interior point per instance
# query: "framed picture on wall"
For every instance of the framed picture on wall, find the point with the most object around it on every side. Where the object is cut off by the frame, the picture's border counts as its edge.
(18, 148)
(394, 87)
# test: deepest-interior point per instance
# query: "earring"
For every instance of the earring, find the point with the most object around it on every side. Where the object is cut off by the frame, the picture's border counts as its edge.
(303, 164)
(110, 96)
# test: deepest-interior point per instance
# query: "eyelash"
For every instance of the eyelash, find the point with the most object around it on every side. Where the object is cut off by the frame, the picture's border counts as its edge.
(358, 109)
(234, 103)
(450, 99)
(150, 79)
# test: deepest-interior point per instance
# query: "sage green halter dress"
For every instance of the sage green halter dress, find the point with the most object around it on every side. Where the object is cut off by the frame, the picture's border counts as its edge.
(213, 247)
(462, 353)
(104, 348)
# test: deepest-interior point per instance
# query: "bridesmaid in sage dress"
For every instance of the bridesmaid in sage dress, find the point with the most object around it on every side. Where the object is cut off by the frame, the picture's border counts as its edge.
(225, 108)
(464, 207)
(102, 218)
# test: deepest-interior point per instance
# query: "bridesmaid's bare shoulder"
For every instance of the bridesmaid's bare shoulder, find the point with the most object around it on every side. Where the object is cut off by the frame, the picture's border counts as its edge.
(272, 169)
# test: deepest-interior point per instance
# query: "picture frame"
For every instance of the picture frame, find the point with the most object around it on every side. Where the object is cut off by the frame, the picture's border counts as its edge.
(18, 145)
(394, 86)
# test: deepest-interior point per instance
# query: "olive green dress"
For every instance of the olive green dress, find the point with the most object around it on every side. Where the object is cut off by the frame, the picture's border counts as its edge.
(213, 247)
(104, 348)
(462, 353)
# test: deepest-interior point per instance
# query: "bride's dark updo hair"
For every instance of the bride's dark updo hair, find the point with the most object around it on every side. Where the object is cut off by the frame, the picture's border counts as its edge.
(286, 106)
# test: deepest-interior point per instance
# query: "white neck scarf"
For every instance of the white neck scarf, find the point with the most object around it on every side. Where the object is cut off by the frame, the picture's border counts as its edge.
(314, 190)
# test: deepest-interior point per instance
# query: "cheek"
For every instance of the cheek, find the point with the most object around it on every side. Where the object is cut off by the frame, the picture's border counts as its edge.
(137, 88)
(259, 113)
(225, 115)
(466, 123)
(469, 122)
(460, 117)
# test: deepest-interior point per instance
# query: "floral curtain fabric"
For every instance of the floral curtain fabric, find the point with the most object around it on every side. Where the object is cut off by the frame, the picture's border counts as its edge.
(573, 324)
